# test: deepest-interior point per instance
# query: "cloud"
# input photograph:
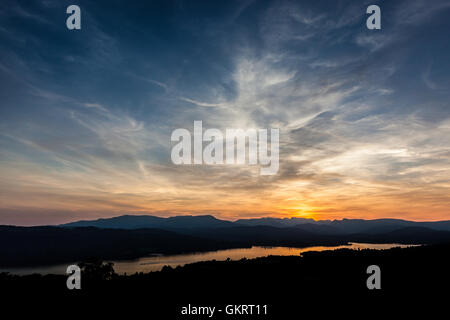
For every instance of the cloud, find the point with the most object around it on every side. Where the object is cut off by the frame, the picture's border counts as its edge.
(427, 80)
(203, 104)
(374, 42)
(95, 106)
(415, 12)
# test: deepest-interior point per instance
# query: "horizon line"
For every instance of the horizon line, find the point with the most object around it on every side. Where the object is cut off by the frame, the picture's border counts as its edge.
(220, 219)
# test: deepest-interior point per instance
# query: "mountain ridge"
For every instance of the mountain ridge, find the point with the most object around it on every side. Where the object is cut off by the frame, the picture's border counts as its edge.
(343, 226)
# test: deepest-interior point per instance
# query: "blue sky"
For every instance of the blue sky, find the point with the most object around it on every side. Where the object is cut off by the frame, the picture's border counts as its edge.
(86, 115)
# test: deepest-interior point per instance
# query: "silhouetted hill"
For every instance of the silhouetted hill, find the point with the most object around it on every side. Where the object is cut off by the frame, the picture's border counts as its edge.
(274, 222)
(31, 246)
(371, 226)
(269, 236)
(319, 228)
(344, 226)
(140, 222)
(348, 226)
(408, 235)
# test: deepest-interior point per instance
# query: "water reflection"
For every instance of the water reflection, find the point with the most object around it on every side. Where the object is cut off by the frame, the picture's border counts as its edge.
(155, 263)
(148, 264)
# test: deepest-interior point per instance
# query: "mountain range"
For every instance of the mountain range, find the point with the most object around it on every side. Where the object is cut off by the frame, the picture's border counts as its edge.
(177, 223)
(129, 236)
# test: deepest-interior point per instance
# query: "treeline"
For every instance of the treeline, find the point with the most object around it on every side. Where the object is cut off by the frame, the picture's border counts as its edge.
(285, 283)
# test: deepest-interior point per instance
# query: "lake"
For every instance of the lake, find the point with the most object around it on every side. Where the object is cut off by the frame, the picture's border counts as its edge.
(155, 263)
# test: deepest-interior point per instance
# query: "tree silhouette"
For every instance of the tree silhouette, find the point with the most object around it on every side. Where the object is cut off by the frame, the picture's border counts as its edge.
(96, 270)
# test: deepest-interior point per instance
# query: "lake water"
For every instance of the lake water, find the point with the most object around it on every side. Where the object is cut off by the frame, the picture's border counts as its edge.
(155, 263)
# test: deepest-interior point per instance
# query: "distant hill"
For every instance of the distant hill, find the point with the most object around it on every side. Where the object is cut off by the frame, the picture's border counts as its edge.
(179, 223)
(346, 226)
(269, 236)
(140, 222)
(408, 235)
(31, 246)
(275, 222)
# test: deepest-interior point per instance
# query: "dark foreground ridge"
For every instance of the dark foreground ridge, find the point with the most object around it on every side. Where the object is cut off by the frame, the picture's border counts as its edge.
(289, 285)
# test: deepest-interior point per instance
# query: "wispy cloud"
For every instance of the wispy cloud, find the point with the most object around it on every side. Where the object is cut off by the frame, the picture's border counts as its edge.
(203, 104)
(427, 80)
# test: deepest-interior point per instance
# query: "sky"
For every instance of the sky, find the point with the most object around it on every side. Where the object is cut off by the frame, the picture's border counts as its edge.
(86, 115)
